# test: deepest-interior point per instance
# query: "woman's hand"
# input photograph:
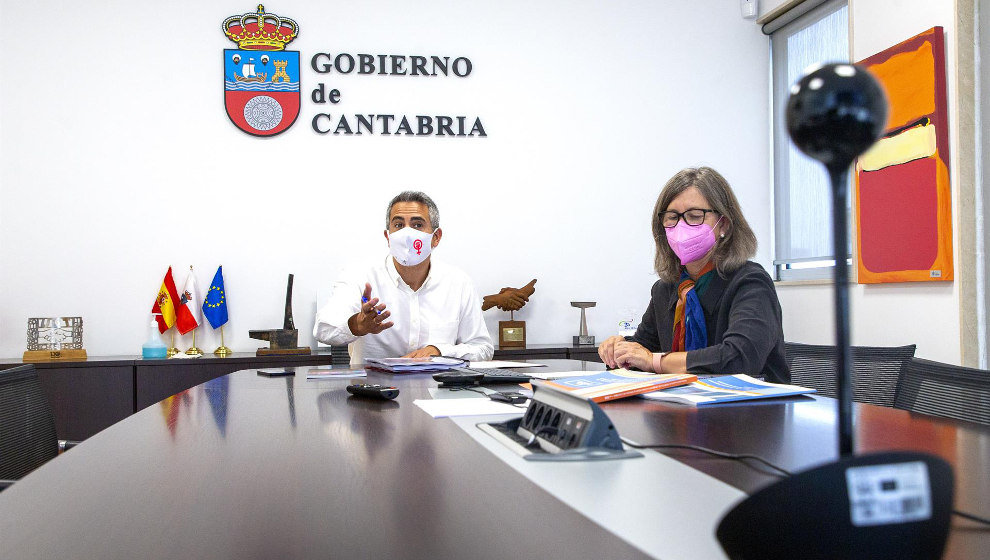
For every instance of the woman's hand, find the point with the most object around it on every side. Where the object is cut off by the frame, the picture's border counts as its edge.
(606, 350)
(633, 354)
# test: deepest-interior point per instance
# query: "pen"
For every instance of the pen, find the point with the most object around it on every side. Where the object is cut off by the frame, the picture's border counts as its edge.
(365, 300)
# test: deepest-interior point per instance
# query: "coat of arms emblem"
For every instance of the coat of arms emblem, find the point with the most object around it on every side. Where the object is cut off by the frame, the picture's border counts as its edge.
(261, 78)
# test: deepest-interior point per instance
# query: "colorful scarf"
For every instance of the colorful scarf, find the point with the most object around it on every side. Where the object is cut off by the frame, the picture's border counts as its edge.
(690, 331)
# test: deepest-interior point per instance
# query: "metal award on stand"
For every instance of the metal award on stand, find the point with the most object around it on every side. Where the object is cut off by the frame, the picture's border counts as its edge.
(583, 339)
(284, 340)
(54, 338)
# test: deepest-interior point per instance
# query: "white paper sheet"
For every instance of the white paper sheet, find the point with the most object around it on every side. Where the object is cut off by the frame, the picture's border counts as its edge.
(326, 373)
(442, 408)
(559, 374)
(503, 364)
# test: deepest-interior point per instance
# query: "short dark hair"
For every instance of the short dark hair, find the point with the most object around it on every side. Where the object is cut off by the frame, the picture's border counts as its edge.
(730, 253)
(415, 196)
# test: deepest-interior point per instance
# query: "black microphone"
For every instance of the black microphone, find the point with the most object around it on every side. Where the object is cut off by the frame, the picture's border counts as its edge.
(893, 505)
(833, 115)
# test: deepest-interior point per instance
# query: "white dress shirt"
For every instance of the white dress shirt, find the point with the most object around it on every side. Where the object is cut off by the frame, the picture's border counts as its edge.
(444, 312)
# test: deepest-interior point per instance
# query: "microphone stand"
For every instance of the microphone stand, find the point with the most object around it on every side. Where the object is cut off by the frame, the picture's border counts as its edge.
(839, 177)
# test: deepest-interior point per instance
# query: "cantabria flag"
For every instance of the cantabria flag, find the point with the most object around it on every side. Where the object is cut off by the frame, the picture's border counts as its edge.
(189, 318)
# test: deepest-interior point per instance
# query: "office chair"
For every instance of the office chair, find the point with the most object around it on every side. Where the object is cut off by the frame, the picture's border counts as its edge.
(27, 425)
(945, 390)
(875, 370)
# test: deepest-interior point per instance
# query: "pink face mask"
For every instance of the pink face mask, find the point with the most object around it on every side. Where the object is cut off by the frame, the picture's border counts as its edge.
(690, 243)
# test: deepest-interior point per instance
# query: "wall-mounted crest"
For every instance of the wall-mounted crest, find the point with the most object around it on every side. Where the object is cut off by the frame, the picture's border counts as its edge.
(261, 78)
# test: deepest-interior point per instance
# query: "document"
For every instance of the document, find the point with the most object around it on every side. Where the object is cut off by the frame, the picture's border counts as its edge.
(728, 388)
(601, 386)
(443, 408)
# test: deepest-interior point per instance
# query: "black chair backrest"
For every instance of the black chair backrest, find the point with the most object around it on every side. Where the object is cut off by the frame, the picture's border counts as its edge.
(27, 425)
(945, 390)
(875, 370)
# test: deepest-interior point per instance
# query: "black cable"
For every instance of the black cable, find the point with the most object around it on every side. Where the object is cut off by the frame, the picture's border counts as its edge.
(466, 389)
(713, 452)
(522, 406)
(971, 517)
(536, 434)
(743, 456)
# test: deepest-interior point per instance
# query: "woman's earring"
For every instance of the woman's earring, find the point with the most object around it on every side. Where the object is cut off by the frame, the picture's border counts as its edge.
(722, 236)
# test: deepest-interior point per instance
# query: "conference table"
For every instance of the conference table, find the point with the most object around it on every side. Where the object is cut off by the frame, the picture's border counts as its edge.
(248, 466)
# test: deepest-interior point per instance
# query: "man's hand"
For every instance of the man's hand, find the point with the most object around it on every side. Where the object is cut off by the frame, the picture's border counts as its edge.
(424, 352)
(633, 354)
(371, 318)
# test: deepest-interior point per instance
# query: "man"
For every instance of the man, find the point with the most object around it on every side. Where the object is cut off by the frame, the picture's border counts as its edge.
(409, 305)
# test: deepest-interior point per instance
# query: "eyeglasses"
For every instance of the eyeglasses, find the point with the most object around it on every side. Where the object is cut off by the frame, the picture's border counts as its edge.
(691, 216)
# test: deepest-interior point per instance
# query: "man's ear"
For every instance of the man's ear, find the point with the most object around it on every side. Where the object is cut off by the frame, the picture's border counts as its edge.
(436, 238)
(385, 232)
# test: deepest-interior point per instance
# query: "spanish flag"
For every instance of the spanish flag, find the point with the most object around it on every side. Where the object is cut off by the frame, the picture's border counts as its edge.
(166, 303)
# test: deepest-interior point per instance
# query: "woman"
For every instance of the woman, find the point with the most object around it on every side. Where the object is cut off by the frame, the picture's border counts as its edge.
(713, 310)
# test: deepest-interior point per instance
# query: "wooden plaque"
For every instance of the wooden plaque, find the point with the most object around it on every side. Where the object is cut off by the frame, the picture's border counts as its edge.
(512, 334)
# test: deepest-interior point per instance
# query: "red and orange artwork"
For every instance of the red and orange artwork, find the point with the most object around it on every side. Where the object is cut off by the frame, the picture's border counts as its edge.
(903, 199)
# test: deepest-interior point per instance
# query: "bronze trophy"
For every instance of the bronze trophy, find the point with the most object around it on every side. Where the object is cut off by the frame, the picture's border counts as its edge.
(284, 340)
(511, 333)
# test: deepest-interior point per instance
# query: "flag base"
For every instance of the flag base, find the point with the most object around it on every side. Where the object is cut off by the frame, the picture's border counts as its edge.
(193, 351)
(172, 351)
(223, 351)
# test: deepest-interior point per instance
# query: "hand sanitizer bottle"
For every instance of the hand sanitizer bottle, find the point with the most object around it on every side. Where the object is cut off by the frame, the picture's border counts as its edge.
(154, 348)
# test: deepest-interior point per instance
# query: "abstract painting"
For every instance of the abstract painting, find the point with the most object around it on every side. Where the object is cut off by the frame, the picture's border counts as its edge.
(903, 198)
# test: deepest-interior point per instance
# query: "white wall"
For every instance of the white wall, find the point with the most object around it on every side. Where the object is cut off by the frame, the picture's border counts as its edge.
(926, 314)
(117, 160)
(768, 5)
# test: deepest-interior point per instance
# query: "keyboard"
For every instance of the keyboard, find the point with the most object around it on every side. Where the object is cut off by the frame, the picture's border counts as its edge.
(499, 375)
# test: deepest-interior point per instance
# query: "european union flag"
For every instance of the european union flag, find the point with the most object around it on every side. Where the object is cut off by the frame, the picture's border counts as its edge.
(215, 304)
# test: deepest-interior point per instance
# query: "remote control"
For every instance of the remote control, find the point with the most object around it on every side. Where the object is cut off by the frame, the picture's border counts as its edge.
(373, 391)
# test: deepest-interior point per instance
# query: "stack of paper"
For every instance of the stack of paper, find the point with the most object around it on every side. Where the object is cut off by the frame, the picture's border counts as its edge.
(414, 365)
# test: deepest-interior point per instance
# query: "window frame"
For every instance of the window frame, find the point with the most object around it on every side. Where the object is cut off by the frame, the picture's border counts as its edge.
(819, 268)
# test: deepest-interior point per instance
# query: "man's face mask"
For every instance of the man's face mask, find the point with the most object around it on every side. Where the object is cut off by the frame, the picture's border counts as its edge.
(410, 246)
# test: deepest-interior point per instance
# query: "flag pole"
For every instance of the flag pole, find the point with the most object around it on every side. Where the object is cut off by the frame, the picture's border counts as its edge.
(193, 351)
(172, 350)
(222, 351)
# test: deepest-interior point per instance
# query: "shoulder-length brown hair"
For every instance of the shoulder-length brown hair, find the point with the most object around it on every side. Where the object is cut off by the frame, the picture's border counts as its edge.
(731, 252)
